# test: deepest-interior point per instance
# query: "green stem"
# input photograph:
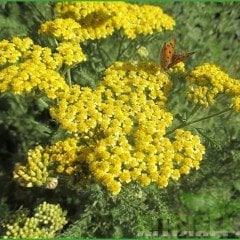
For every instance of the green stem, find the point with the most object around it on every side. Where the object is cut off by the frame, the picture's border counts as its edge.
(39, 12)
(120, 46)
(100, 53)
(142, 42)
(199, 120)
(210, 116)
(64, 71)
(55, 41)
(124, 50)
(106, 54)
(195, 109)
(69, 78)
(43, 103)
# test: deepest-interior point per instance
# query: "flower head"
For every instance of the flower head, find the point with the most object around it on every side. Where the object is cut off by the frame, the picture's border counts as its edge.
(46, 221)
(102, 19)
(207, 81)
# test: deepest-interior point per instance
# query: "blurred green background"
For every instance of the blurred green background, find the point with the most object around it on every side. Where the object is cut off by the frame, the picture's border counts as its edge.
(206, 200)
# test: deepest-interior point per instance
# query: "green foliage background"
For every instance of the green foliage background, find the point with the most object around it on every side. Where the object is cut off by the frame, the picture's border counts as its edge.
(212, 30)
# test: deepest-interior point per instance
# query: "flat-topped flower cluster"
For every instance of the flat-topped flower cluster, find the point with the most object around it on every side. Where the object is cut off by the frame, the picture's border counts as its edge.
(208, 81)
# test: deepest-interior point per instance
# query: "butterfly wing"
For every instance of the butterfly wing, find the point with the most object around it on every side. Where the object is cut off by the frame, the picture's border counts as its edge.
(167, 53)
(179, 58)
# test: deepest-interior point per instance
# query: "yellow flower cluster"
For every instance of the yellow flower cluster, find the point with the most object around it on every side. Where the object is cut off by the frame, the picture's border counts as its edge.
(124, 122)
(64, 30)
(31, 67)
(232, 87)
(123, 94)
(207, 81)
(63, 157)
(178, 69)
(38, 55)
(70, 53)
(77, 109)
(188, 151)
(100, 19)
(47, 220)
(11, 52)
(236, 103)
(36, 171)
(146, 19)
(70, 35)
(116, 160)
(67, 155)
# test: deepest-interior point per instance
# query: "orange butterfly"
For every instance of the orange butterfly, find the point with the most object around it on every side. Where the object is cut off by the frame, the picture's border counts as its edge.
(168, 58)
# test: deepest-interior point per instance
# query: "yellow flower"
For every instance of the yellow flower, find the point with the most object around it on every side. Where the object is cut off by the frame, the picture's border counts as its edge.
(70, 53)
(114, 187)
(188, 152)
(101, 19)
(64, 30)
(162, 181)
(47, 220)
(125, 176)
(236, 103)
(33, 173)
(11, 52)
(184, 169)
(135, 173)
(69, 170)
(22, 44)
(35, 69)
(153, 175)
(207, 81)
(178, 68)
(144, 180)
(175, 174)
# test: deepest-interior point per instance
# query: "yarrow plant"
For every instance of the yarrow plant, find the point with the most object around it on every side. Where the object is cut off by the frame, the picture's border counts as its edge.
(46, 221)
(122, 130)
